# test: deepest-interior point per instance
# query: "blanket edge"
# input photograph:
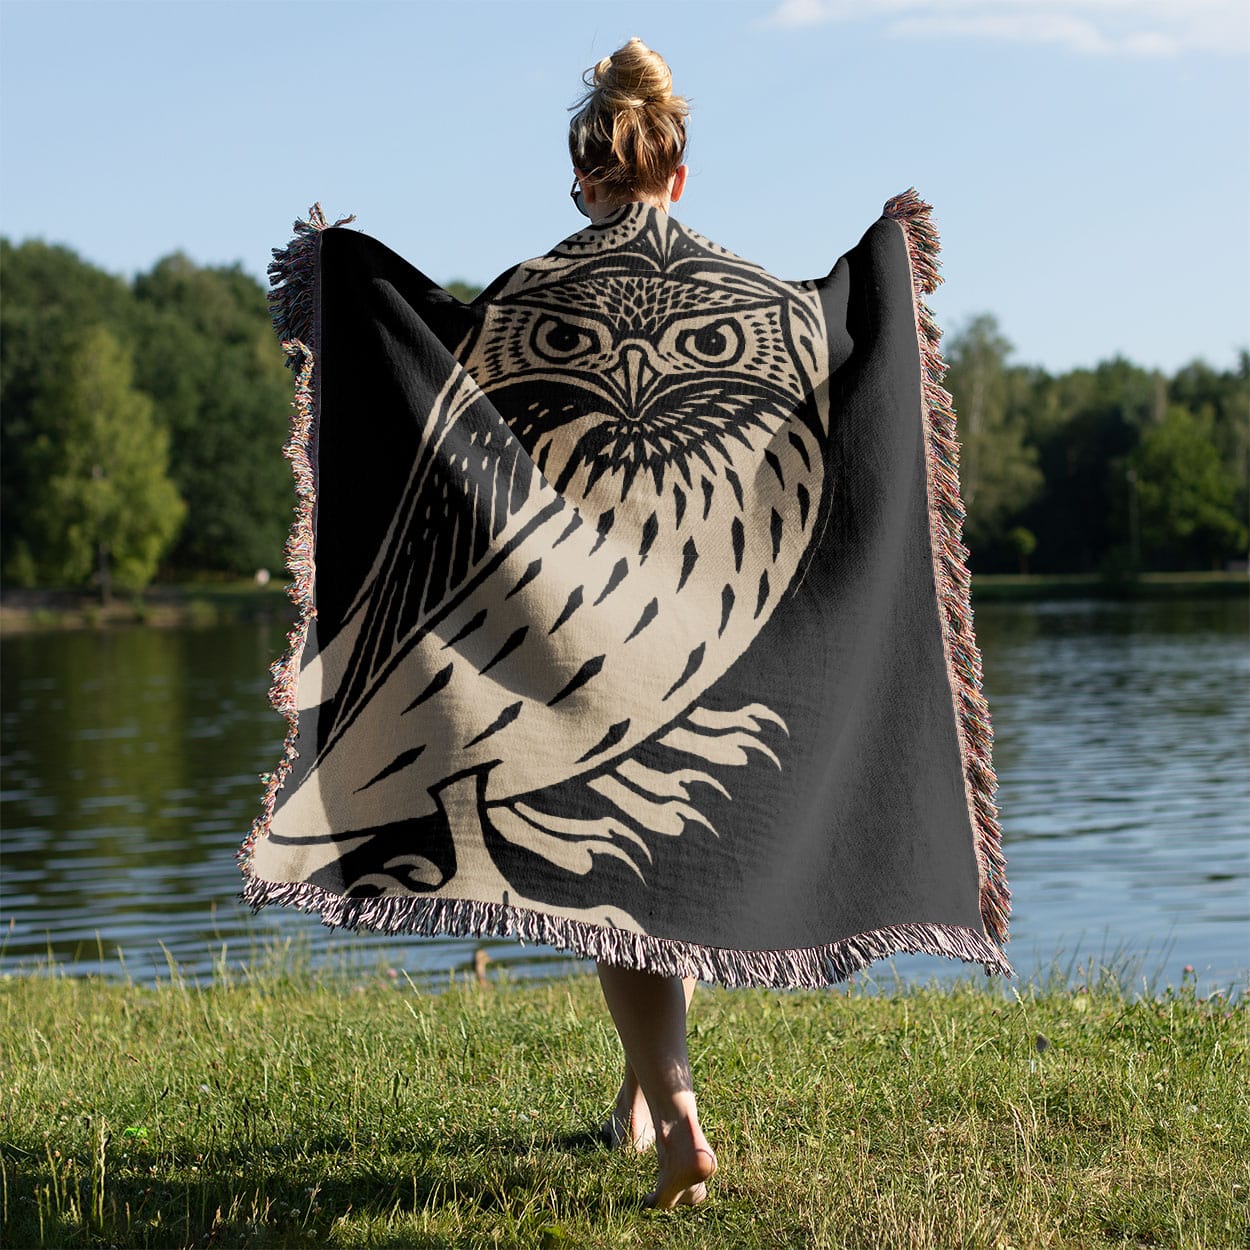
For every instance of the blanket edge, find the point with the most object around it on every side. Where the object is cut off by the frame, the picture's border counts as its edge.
(808, 968)
(950, 564)
(293, 305)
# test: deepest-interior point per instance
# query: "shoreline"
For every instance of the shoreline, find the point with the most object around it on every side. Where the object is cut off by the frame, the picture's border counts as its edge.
(203, 604)
(1122, 974)
(173, 605)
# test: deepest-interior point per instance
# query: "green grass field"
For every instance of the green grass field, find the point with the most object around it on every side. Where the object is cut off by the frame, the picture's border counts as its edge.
(286, 1109)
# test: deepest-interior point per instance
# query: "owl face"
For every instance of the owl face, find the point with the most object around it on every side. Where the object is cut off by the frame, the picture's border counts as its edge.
(641, 372)
(630, 340)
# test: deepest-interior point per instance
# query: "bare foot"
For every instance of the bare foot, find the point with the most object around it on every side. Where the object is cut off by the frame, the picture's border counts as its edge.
(686, 1165)
(629, 1126)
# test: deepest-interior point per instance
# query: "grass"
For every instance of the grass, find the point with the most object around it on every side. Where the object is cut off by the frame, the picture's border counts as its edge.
(293, 1109)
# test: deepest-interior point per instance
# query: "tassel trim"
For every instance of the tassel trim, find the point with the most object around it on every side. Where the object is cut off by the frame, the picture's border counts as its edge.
(950, 561)
(810, 968)
(294, 303)
(294, 297)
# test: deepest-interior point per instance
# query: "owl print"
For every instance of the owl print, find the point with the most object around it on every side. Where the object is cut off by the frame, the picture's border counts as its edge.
(615, 487)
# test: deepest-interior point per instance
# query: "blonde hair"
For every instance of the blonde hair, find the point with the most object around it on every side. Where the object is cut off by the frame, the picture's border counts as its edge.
(629, 133)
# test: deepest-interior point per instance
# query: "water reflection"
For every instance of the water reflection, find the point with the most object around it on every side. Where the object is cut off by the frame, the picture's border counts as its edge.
(131, 764)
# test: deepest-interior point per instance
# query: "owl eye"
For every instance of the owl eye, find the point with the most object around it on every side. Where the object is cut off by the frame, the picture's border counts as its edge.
(717, 343)
(558, 341)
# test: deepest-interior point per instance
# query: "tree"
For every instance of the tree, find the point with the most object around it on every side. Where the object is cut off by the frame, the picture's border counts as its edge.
(208, 356)
(1185, 494)
(1223, 399)
(106, 505)
(998, 473)
(464, 291)
(1085, 425)
(51, 298)
(1023, 543)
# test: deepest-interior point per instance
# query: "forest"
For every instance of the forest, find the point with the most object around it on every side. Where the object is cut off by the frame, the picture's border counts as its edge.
(143, 422)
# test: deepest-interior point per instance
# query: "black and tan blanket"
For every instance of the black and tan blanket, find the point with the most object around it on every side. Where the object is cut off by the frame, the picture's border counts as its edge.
(634, 617)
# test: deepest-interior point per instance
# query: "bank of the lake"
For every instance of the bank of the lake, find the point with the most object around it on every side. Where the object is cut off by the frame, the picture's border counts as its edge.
(225, 602)
(171, 605)
(287, 1110)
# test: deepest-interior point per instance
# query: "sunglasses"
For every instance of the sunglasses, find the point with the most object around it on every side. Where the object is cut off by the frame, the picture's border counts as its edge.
(576, 196)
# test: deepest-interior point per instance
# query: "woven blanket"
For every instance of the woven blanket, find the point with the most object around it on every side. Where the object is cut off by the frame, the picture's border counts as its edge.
(634, 618)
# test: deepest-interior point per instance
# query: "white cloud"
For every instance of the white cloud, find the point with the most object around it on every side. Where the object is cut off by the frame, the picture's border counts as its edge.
(1140, 28)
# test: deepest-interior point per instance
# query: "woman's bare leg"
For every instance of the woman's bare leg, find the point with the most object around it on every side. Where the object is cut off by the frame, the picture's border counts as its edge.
(650, 1016)
(629, 1124)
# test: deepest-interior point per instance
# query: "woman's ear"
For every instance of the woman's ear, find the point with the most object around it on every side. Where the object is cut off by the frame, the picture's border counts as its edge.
(679, 183)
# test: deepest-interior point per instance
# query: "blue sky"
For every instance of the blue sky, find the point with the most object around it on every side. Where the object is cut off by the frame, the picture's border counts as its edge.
(1088, 160)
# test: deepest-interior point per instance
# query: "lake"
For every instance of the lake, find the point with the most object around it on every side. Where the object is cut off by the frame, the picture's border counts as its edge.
(131, 762)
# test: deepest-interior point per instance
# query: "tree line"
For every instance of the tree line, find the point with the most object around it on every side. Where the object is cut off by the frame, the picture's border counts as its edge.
(1112, 470)
(142, 423)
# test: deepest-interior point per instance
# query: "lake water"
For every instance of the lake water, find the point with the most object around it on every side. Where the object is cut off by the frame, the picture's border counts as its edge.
(1122, 734)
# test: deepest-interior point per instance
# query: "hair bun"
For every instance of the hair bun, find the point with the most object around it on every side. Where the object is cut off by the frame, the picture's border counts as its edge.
(629, 131)
(633, 76)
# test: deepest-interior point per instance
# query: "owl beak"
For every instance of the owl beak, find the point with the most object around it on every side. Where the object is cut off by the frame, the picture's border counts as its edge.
(634, 377)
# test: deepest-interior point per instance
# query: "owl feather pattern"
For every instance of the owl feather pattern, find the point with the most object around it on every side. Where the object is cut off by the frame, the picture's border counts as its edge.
(563, 582)
(545, 688)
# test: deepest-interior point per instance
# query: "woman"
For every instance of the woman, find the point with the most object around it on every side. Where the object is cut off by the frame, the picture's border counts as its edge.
(628, 143)
(635, 619)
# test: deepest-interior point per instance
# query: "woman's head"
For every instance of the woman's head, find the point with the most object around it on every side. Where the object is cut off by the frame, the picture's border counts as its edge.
(629, 133)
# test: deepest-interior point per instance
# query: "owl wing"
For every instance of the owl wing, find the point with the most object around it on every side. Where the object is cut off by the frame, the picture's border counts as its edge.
(471, 479)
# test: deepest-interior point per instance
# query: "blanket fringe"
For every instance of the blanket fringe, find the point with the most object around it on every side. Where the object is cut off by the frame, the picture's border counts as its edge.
(293, 297)
(293, 303)
(811, 968)
(954, 582)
